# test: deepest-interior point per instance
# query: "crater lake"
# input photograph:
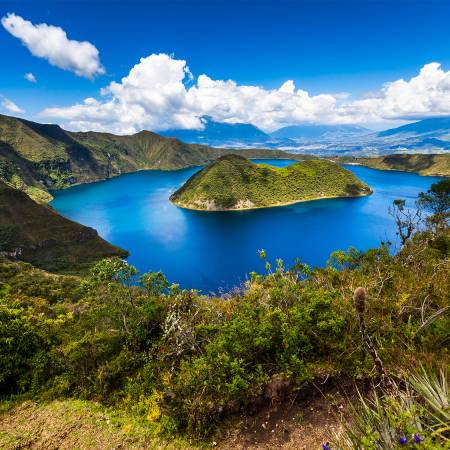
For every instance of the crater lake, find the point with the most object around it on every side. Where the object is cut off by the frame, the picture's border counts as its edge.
(213, 251)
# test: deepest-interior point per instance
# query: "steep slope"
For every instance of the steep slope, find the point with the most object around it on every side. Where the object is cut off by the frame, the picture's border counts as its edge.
(39, 235)
(59, 158)
(233, 182)
(38, 158)
(21, 173)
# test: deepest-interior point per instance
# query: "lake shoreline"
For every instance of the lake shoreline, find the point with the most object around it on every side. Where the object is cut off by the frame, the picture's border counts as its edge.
(215, 251)
(277, 205)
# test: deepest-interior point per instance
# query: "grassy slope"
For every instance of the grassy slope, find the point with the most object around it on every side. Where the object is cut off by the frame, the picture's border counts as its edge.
(423, 164)
(36, 158)
(84, 424)
(233, 182)
(37, 234)
(20, 173)
(70, 424)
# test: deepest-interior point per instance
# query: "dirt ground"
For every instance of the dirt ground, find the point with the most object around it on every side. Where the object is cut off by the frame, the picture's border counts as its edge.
(298, 422)
(303, 422)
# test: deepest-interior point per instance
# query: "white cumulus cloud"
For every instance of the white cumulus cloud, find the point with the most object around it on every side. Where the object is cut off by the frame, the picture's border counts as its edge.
(425, 95)
(11, 107)
(51, 43)
(160, 93)
(30, 77)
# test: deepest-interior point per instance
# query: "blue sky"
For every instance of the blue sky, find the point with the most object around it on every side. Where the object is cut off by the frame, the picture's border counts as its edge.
(332, 47)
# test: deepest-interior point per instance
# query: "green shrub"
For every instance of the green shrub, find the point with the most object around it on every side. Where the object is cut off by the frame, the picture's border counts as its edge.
(182, 362)
(22, 348)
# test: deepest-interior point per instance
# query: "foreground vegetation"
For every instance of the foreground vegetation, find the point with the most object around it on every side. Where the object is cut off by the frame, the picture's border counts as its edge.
(418, 413)
(233, 182)
(180, 362)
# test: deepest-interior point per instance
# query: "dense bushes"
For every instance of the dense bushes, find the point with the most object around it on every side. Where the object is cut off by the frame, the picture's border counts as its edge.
(21, 344)
(182, 361)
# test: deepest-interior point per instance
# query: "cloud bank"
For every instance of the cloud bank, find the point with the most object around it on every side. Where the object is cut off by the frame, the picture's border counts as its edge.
(160, 93)
(51, 43)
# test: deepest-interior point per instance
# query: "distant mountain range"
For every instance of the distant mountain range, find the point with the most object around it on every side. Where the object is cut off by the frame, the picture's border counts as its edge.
(239, 134)
(219, 132)
(435, 126)
(319, 132)
(425, 136)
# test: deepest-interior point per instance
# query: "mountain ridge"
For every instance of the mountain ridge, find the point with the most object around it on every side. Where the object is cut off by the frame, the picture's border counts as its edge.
(38, 158)
(437, 124)
(219, 131)
(39, 235)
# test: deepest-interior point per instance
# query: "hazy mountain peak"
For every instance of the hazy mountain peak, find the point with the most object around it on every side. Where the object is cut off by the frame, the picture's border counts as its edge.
(315, 132)
(434, 124)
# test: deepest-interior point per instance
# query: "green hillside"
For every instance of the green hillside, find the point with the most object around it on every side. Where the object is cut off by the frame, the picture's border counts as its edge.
(233, 182)
(118, 358)
(437, 165)
(38, 158)
(37, 234)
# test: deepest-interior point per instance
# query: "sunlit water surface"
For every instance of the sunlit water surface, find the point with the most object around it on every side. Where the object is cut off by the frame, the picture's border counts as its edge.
(215, 250)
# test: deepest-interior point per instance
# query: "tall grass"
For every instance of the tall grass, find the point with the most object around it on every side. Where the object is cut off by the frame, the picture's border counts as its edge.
(417, 414)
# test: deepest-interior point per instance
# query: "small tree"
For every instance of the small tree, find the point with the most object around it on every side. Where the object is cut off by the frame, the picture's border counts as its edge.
(155, 283)
(437, 200)
(110, 281)
(405, 218)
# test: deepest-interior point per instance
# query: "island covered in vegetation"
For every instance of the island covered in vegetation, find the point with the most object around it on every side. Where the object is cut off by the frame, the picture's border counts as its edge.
(233, 182)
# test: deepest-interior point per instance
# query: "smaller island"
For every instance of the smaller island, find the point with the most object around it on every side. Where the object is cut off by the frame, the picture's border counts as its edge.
(232, 182)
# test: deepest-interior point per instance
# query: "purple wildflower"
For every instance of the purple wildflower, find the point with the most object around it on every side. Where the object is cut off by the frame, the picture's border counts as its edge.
(417, 438)
(326, 446)
(403, 440)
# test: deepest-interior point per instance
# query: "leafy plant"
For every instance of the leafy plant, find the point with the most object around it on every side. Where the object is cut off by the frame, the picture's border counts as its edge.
(417, 414)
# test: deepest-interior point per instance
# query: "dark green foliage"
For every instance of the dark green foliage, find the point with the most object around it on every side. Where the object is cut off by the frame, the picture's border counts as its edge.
(36, 157)
(233, 182)
(244, 353)
(437, 198)
(22, 343)
(182, 361)
(39, 235)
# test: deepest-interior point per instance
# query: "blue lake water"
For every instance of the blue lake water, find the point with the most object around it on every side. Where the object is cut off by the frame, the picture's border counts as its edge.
(215, 250)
